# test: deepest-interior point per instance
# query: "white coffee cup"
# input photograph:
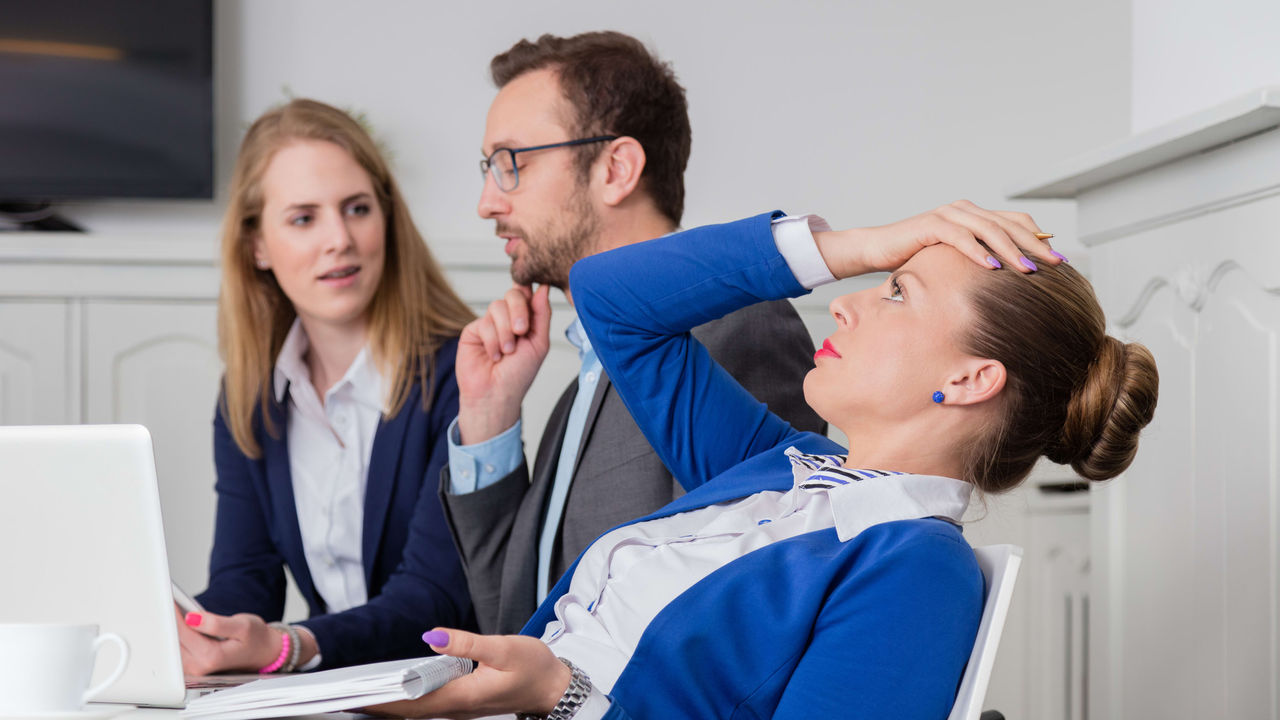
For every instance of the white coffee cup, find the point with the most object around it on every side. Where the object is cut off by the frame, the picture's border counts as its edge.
(46, 668)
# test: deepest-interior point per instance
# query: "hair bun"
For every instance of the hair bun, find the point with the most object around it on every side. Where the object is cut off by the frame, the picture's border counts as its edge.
(1104, 417)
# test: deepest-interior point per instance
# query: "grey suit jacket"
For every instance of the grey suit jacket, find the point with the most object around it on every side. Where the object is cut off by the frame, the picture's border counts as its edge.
(617, 477)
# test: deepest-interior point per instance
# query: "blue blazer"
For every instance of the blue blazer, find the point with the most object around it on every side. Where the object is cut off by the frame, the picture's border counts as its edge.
(412, 570)
(808, 627)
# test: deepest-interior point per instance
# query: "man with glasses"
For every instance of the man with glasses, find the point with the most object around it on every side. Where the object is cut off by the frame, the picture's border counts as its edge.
(585, 148)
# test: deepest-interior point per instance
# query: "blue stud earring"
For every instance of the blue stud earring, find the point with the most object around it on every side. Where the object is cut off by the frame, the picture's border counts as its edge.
(938, 397)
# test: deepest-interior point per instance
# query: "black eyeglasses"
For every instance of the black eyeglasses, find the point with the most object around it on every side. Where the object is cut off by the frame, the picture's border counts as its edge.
(501, 163)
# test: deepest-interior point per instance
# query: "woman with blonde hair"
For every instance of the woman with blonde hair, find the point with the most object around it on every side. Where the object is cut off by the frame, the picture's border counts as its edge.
(339, 331)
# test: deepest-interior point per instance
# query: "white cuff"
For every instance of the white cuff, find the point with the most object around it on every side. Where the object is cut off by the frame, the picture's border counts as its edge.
(595, 706)
(794, 237)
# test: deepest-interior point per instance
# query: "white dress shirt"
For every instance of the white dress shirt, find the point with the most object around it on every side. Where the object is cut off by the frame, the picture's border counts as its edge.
(329, 449)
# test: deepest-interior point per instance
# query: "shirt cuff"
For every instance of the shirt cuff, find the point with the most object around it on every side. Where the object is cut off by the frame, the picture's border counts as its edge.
(595, 706)
(316, 659)
(794, 237)
(475, 467)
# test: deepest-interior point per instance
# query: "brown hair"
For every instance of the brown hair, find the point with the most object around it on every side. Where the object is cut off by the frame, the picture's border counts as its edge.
(412, 312)
(1072, 393)
(615, 87)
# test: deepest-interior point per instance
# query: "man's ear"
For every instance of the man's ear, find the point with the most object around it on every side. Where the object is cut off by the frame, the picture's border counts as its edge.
(619, 169)
(977, 380)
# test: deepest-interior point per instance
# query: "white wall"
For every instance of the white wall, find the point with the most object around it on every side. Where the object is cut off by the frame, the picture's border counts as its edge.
(1191, 54)
(866, 111)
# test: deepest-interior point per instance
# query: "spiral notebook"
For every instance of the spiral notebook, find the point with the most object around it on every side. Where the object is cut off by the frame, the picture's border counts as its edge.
(341, 689)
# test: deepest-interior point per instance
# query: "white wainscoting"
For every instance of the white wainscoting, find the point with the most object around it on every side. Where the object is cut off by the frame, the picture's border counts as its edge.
(1183, 223)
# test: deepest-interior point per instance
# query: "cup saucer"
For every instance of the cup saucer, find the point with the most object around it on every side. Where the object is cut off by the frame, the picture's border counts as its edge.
(90, 712)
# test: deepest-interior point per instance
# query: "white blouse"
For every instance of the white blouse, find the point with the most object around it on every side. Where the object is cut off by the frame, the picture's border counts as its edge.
(329, 449)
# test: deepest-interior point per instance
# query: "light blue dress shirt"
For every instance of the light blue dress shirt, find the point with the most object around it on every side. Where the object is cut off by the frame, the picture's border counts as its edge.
(473, 467)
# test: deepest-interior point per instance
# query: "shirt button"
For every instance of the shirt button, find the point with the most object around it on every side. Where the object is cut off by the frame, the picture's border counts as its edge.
(465, 474)
(591, 377)
(489, 468)
(330, 562)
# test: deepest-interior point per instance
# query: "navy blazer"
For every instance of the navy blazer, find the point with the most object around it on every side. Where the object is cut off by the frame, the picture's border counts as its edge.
(412, 570)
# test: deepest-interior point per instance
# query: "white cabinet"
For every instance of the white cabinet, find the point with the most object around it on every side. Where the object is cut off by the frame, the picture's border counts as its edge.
(1039, 670)
(156, 364)
(35, 363)
(1182, 222)
(120, 330)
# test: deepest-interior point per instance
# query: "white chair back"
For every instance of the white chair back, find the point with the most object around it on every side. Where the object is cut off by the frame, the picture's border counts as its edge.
(999, 565)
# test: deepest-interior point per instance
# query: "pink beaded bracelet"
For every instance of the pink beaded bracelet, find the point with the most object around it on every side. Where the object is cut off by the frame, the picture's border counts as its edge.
(280, 660)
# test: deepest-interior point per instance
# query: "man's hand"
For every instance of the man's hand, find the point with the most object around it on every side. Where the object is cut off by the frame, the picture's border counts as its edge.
(1011, 237)
(514, 674)
(499, 355)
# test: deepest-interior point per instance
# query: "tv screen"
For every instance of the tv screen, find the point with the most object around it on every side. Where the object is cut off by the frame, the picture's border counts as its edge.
(106, 98)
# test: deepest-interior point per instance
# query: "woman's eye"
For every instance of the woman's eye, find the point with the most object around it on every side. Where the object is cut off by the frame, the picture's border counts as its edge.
(895, 291)
(359, 209)
(301, 220)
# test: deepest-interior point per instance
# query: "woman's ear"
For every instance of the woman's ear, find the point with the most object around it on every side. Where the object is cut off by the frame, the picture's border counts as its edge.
(977, 380)
(623, 164)
(260, 253)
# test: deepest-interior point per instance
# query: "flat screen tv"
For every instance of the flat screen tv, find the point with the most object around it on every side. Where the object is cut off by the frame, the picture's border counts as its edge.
(105, 99)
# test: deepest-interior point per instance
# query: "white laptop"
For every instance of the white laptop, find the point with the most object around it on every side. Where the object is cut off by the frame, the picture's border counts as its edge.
(81, 540)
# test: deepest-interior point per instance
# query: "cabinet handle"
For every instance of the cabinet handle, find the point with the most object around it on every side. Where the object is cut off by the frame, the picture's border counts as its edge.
(1084, 651)
(1066, 673)
(1063, 488)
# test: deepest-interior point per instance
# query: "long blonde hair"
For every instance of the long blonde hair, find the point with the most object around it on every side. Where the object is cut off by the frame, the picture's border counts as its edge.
(413, 311)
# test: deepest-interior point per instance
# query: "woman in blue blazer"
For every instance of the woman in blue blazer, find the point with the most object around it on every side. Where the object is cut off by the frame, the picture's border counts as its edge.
(339, 333)
(797, 579)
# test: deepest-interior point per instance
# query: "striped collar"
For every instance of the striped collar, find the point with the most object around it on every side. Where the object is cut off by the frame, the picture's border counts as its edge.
(861, 498)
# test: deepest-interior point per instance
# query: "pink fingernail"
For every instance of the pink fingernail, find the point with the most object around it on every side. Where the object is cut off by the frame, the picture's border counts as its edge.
(1026, 262)
(1059, 255)
(194, 619)
(436, 638)
(994, 262)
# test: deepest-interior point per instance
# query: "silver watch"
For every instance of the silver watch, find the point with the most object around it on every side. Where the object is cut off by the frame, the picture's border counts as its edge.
(574, 696)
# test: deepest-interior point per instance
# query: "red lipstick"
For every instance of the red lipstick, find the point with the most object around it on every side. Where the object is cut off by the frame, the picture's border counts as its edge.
(827, 350)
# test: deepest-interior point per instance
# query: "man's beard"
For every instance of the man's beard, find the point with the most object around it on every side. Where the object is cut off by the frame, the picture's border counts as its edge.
(546, 256)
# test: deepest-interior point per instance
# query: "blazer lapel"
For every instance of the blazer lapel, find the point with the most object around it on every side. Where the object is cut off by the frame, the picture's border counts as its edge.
(275, 453)
(593, 414)
(384, 467)
(544, 466)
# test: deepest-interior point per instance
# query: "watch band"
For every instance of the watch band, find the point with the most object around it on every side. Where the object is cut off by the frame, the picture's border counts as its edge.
(574, 696)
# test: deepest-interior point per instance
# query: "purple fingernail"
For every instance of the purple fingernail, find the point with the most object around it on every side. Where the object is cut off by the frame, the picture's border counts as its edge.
(1027, 263)
(436, 638)
(1059, 255)
(994, 262)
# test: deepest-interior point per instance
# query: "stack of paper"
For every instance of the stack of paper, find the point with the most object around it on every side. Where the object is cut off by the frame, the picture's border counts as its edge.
(341, 689)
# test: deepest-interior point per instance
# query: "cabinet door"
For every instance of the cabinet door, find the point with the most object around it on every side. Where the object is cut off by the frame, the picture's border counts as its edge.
(156, 364)
(35, 383)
